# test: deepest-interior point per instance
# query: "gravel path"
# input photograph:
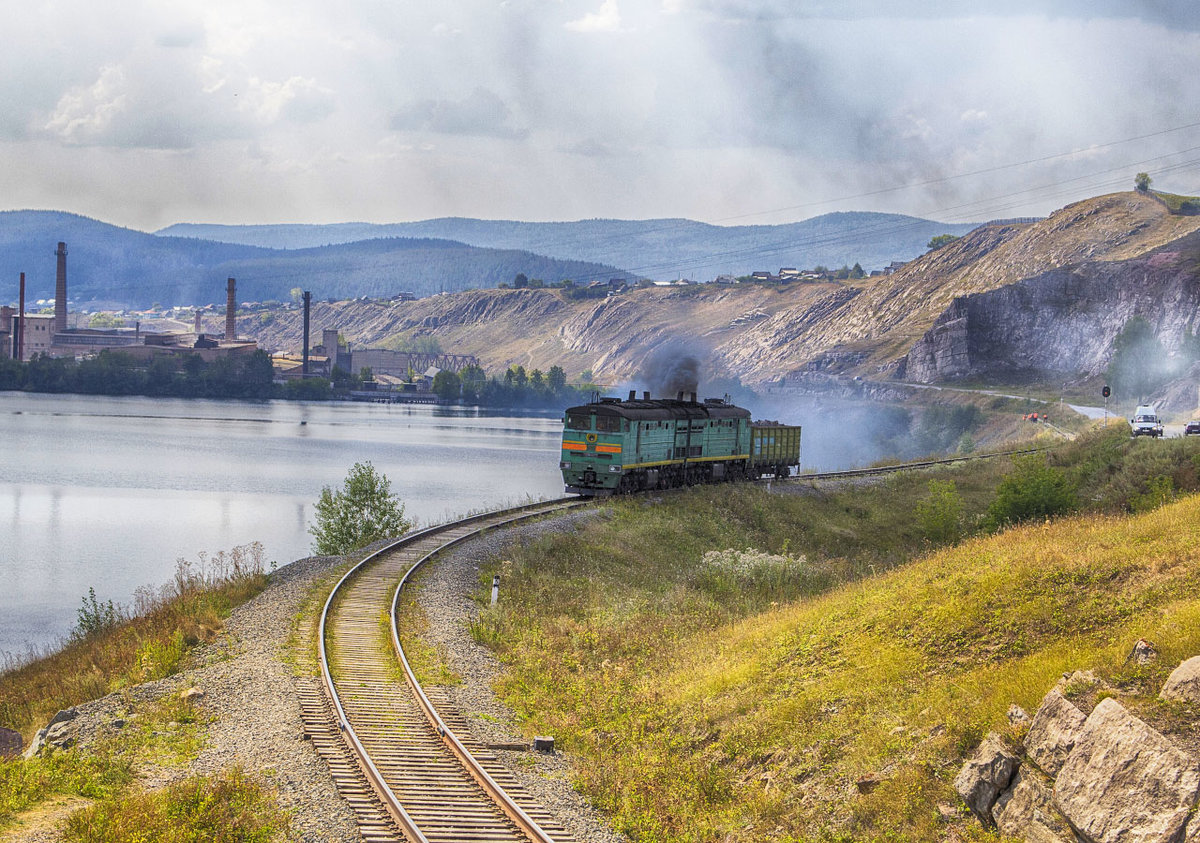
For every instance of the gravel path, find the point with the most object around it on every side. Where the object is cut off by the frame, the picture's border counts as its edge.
(443, 596)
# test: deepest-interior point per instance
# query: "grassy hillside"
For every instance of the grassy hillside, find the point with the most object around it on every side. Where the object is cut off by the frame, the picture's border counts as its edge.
(742, 695)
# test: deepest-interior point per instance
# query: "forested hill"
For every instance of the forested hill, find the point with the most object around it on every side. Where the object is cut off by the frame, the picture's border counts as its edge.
(660, 248)
(121, 267)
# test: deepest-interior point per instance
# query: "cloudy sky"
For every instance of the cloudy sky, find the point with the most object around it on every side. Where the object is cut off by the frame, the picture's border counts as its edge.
(730, 111)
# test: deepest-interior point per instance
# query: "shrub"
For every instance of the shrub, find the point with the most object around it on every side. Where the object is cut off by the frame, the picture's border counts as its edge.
(95, 617)
(940, 514)
(1033, 490)
(362, 511)
(230, 806)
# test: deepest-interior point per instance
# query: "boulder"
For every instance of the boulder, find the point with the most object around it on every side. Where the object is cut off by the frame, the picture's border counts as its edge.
(60, 734)
(35, 745)
(1123, 782)
(985, 776)
(1026, 812)
(191, 695)
(1053, 732)
(1143, 652)
(57, 733)
(1183, 685)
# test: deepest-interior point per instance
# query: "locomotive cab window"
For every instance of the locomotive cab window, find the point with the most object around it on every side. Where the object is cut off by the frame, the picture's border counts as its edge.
(579, 421)
(608, 424)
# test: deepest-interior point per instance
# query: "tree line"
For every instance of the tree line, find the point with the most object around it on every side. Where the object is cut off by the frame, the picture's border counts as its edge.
(113, 372)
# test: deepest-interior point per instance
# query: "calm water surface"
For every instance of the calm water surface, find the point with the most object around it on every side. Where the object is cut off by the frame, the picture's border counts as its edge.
(109, 492)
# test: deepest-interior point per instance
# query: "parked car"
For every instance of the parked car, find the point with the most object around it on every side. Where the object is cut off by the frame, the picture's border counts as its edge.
(1192, 427)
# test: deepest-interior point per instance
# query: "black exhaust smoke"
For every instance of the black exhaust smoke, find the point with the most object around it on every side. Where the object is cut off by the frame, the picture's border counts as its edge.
(670, 369)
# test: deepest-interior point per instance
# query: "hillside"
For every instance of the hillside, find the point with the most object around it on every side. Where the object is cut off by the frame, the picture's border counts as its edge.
(117, 267)
(659, 248)
(744, 666)
(764, 333)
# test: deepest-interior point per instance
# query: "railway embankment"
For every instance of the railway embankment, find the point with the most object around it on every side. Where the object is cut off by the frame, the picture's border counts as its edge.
(737, 665)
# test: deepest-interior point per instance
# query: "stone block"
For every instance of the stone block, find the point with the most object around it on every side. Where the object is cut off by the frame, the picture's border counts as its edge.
(1183, 685)
(1124, 782)
(985, 776)
(1026, 812)
(1053, 732)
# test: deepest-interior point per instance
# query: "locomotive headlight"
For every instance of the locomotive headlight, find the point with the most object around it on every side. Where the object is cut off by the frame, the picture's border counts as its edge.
(614, 468)
(564, 465)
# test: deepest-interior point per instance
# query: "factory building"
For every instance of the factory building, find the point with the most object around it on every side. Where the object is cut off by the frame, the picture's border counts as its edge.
(25, 335)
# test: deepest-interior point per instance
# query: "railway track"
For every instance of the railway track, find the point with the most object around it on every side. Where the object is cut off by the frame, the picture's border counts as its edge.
(400, 755)
(907, 466)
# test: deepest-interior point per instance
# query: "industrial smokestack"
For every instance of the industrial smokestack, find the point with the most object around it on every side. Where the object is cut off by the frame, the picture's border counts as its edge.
(60, 290)
(196, 322)
(307, 307)
(21, 326)
(231, 310)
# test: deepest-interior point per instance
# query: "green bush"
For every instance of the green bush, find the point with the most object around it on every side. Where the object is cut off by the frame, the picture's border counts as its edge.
(940, 514)
(1033, 490)
(362, 511)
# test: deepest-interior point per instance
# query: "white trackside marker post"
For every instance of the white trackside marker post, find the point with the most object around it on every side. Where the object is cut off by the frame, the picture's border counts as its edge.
(495, 589)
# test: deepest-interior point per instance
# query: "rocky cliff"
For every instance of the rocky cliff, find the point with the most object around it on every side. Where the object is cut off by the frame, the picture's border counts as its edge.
(1062, 322)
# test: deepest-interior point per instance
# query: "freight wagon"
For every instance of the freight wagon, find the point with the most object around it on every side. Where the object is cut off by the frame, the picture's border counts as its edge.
(614, 446)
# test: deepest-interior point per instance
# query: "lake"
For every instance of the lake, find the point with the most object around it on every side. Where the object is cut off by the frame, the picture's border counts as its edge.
(109, 492)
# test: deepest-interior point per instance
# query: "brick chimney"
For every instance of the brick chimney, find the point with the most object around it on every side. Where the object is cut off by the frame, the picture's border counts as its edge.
(196, 322)
(231, 310)
(60, 290)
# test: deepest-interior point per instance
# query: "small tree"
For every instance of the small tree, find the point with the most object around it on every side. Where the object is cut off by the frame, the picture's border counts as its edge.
(447, 385)
(1141, 182)
(940, 241)
(363, 511)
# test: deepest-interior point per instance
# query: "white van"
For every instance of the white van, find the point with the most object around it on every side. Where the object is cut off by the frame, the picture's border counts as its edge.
(1145, 422)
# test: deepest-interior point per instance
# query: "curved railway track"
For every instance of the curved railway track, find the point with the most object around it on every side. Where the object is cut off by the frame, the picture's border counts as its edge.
(408, 769)
(398, 753)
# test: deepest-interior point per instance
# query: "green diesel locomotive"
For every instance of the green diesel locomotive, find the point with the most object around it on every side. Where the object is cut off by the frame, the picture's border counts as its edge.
(613, 446)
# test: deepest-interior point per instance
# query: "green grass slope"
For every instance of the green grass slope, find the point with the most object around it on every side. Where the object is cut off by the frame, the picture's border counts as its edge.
(828, 685)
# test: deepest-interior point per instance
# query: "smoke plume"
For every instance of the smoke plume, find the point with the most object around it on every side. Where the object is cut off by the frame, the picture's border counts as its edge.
(670, 369)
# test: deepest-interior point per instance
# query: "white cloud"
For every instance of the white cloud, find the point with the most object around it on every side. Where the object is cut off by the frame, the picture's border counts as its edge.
(607, 19)
(84, 115)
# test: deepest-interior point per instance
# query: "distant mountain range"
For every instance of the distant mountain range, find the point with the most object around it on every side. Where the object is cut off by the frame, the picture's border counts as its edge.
(122, 267)
(187, 264)
(660, 249)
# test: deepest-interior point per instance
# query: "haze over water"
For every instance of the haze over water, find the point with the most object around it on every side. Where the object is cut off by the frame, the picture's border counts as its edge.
(108, 492)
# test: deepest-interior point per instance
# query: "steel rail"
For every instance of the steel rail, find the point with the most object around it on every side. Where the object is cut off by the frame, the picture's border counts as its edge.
(497, 793)
(371, 772)
(888, 469)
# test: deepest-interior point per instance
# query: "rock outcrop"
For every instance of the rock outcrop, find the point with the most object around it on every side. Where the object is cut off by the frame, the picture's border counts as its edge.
(1104, 777)
(1062, 322)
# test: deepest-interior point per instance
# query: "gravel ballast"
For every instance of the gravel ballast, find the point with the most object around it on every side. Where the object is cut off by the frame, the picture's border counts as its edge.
(444, 597)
